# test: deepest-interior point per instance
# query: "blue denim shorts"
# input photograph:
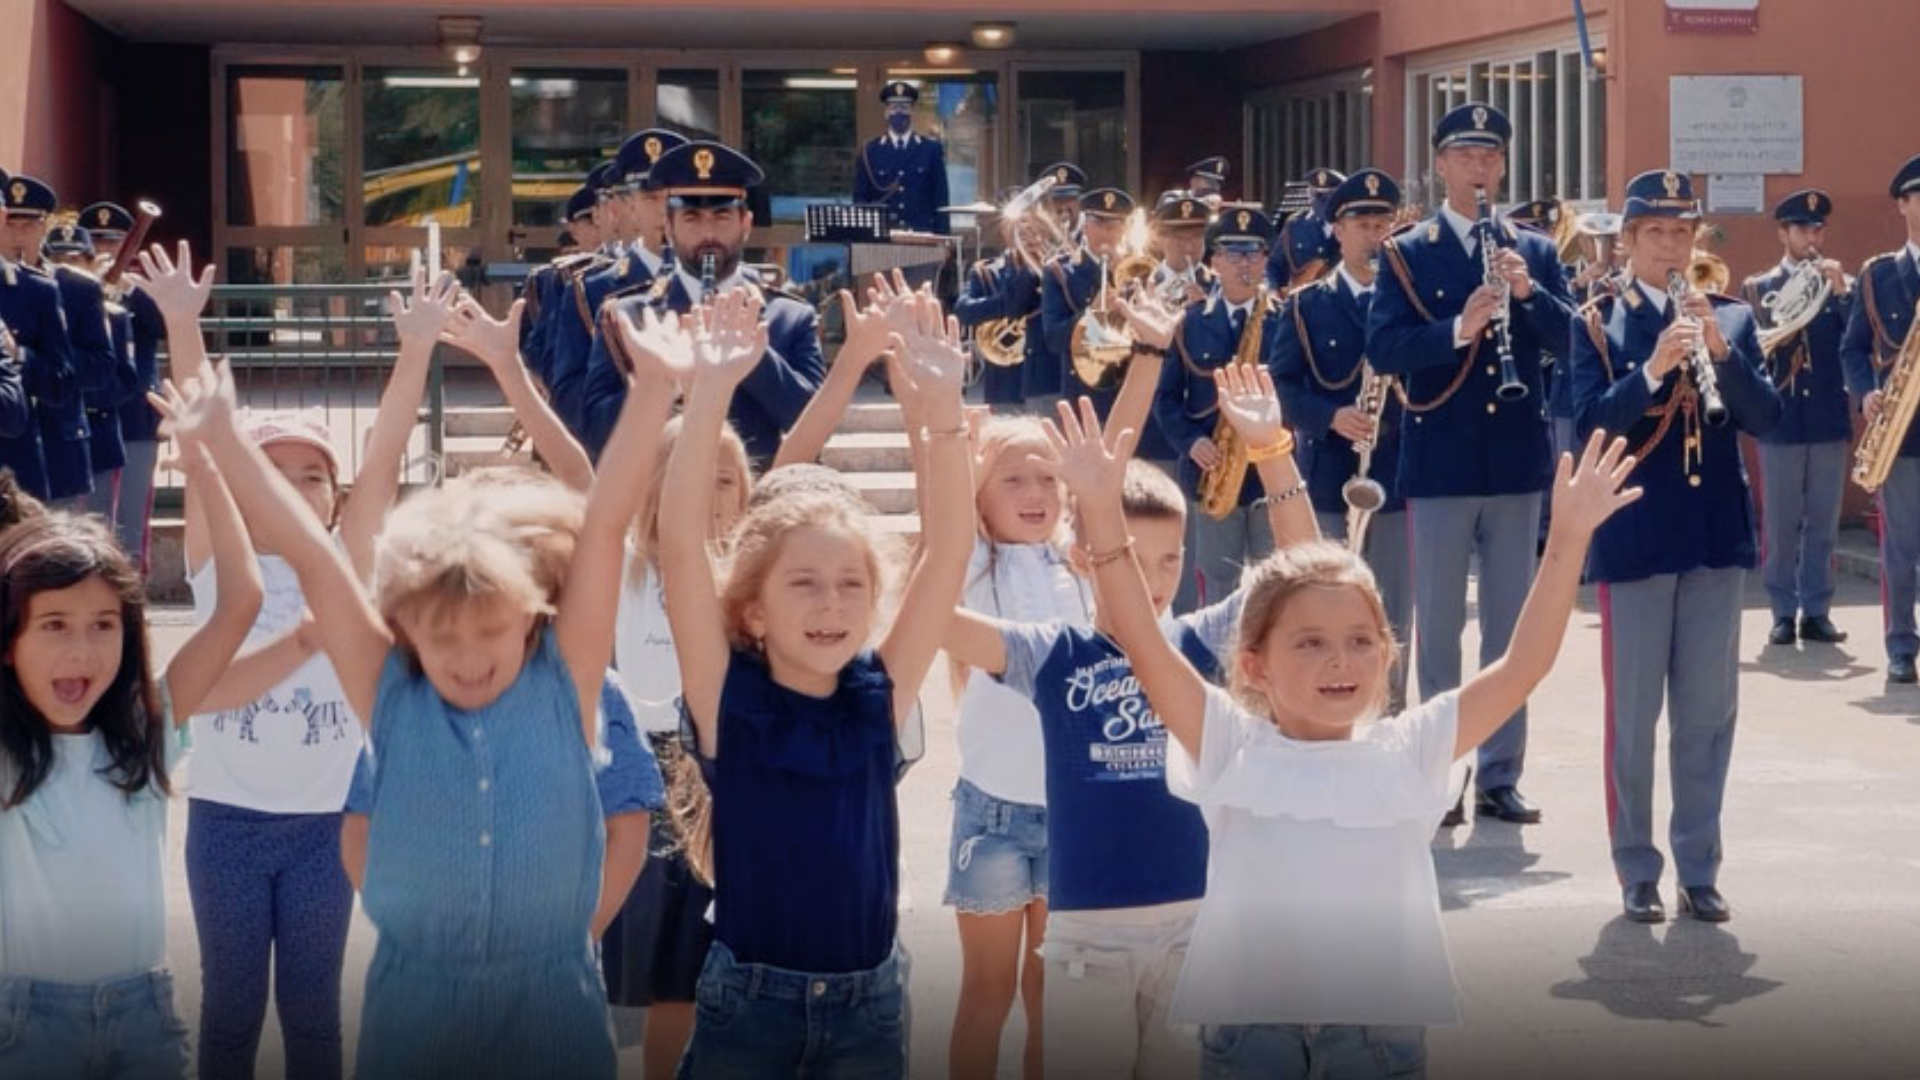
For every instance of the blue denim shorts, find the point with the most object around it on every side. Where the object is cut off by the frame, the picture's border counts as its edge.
(752, 1021)
(997, 861)
(1290, 1051)
(126, 1028)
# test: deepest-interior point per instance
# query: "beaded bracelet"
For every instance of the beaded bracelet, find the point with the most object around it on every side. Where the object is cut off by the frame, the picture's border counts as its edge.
(1096, 560)
(1298, 489)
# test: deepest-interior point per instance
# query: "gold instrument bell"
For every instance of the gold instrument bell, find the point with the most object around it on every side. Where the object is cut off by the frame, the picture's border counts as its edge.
(1102, 343)
(1033, 239)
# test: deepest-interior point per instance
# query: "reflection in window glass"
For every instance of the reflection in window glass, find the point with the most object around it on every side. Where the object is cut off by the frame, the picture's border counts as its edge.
(962, 110)
(564, 123)
(687, 100)
(1077, 116)
(286, 141)
(421, 147)
(799, 127)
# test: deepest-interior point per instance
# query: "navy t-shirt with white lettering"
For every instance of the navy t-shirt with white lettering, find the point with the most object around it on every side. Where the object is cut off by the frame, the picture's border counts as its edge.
(1115, 837)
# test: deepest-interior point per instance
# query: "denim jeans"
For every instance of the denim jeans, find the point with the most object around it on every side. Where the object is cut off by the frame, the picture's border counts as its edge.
(753, 1021)
(120, 1030)
(1311, 1052)
(997, 859)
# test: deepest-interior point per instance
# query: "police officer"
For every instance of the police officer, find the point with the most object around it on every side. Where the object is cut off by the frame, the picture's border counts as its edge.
(904, 169)
(1073, 284)
(1472, 466)
(1063, 198)
(1045, 380)
(1671, 567)
(638, 213)
(1179, 241)
(1307, 247)
(1207, 179)
(30, 308)
(1006, 287)
(551, 283)
(64, 434)
(72, 246)
(1319, 369)
(706, 185)
(110, 224)
(1186, 410)
(1803, 460)
(1879, 324)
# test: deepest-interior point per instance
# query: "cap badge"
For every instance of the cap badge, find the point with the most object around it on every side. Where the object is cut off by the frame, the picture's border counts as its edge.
(1813, 201)
(703, 163)
(105, 215)
(1107, 201)
(1671, 181)
(1373, 184)
(1240, 220)
(1186, 208)
(652, 146)
(1059, 176)
(18, 192)
(1480, 117)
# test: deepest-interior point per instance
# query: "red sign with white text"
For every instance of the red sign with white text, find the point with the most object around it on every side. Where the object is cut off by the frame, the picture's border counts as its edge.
(1713, 16)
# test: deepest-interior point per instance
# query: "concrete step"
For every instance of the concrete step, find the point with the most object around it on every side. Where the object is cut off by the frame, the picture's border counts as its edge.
(479, 451)
(868, 451)
(889, 492)
(490, 420)
(873, 416)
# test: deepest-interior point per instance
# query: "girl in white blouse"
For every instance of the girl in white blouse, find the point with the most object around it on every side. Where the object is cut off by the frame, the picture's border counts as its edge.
(1318, 949)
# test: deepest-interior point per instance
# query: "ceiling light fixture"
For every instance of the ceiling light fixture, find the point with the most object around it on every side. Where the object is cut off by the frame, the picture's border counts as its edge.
(993, 35)
(941, 52)
(460, 39)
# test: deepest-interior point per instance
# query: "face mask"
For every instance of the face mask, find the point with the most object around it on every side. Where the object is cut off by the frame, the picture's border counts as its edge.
(900, 123)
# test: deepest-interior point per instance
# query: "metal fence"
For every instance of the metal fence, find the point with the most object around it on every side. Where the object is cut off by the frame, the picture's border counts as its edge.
(323, 349)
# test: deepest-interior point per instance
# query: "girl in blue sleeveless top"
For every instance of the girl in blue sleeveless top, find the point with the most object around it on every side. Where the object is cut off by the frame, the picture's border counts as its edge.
(486, 842)
(795, 717)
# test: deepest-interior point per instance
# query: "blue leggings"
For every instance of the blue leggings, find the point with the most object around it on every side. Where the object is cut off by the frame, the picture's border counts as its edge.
(268, 885)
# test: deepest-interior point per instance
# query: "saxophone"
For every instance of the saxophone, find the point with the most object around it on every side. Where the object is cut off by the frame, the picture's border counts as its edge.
(1880, 445)
(1363, 494)
(1219, 489)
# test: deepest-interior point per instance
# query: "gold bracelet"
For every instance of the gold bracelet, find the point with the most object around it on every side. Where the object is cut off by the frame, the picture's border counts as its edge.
(1278, 448)
(1096, 560)
(927, 434)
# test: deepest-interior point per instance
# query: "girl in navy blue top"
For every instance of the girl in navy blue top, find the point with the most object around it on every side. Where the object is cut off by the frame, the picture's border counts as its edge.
(795, 715)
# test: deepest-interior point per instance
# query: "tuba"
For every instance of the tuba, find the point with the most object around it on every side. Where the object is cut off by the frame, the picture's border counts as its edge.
(1102, 343)
(1880, 444)
(1794, 304)
(1362, 493)
(1219, 492)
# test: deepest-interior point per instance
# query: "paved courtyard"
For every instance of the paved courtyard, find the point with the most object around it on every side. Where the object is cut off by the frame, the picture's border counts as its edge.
(1817, 975)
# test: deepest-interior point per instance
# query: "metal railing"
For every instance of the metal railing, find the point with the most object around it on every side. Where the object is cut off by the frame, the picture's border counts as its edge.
(328, 349)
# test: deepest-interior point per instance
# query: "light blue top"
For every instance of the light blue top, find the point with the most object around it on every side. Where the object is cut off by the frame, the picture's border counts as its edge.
(81, 895)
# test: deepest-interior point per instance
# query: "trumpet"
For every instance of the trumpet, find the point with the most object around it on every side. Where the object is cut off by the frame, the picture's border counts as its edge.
(1362, 493)
(1699, 362)
(1510, 388)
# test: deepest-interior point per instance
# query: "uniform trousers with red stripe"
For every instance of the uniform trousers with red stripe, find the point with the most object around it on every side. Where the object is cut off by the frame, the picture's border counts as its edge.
(1670, 643)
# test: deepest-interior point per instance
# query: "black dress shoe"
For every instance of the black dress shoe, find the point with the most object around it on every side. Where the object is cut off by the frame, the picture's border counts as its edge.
(1507, 804)
(1642, 902)
(1819, 628)
(1782, 631)
(1900, 669)
(1704, 902)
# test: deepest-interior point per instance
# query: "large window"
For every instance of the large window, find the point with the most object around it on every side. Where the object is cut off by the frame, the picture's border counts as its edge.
(687, 100)
(962, 110)
(420, 147)
(1559, 120)
(286, 140)
(564, 123)
(1077, 116)
(799, 127)
(1293, 129)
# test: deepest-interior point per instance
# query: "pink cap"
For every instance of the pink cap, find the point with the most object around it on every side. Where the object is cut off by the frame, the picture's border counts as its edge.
(306, 427)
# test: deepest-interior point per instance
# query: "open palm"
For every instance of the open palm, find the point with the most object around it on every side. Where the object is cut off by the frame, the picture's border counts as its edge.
(172, 285)
(730, 339)
(1590, 491)
(424, 312)
(656, 339)
(1250, 403)
(494, 342)
(1090, 468)
(195, 408)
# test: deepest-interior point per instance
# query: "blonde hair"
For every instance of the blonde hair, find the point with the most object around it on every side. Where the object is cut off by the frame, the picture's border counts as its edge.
(646, 525)
(541, 509)
(1148, 493)
(806, 477)
(1270, 584)
(444, 551)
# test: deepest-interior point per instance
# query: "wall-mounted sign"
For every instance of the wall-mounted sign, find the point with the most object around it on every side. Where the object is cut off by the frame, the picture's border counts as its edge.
(1736, 193)
(1734, 124)
(1713, 16)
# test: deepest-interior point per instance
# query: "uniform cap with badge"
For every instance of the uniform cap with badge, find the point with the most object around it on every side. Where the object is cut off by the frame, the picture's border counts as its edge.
(1068, 179)
(67, 239)
(27, 197)
(1243, 228)
(1473, 124)
(1810, 206)
(1106, 202)
(1660, 193)
(1180, 209)
(1369, 191)
(1907, 180)
(634, 161)
(107, 221)
(707, 175)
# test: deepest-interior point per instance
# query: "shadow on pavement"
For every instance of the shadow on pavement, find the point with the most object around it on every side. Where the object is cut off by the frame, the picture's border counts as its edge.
(1686, 973)
(1492, 862)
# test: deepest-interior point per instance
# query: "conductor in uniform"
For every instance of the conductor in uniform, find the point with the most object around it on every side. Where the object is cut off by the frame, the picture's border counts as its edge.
(904, 169)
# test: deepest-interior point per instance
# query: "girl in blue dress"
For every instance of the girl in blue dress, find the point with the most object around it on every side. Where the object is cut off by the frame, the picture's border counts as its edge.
(486, 842)
(795, 717)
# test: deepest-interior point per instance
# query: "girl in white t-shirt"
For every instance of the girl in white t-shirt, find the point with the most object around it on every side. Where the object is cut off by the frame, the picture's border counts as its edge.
(997, 870)
(1318, 949)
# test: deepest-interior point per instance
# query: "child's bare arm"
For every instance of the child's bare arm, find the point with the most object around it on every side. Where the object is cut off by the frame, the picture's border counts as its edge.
(180, 295)
(1584, 495)
(496, 342)
(626, 856)
(378, 482)
(976, 641)
(258, 670)
(866, 343)
(197, 667)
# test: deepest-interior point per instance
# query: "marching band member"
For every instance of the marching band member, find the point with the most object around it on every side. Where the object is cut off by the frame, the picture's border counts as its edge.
(1319, 357)
(1473, 459)
(1880, 323)
(1803, 460)
(1076, 282)
(707, 219)
(1671, 567)
(904, 169)
(132, 484)
(1045, 380)
(1207, 179)
(549, 283)
(1186, 405)
(1005, 287)
(70, 246)
(1306, 248)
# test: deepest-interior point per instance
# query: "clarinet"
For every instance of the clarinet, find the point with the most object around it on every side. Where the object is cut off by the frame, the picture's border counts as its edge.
(1510, 388)
(706, 278)
(1699, 362)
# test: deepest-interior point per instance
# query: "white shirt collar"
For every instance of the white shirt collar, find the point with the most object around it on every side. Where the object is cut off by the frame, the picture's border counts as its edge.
(1353, 284)
(1913, 252)
(1789, 263)
(639, 250)
(691, 282)
(1652, 295)
(1463, 226)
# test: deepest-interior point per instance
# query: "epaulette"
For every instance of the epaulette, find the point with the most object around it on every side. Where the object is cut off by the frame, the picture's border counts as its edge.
(564, 261)
(769, 291)
(578, 270)
(34, 270)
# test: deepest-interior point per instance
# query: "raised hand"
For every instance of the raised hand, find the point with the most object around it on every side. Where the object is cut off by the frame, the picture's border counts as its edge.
(172, 286)
(494, 342)
(867, 331)
(1152, 322)
(1588, 493)
(660, 343)
(895, 299)
(198, 408)
(933, 359)
(1091, 469)
(729, 337)
(1250, 403)
(422, 316)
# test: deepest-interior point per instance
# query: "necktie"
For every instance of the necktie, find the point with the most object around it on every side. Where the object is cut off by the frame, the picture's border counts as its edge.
(1239, 322)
